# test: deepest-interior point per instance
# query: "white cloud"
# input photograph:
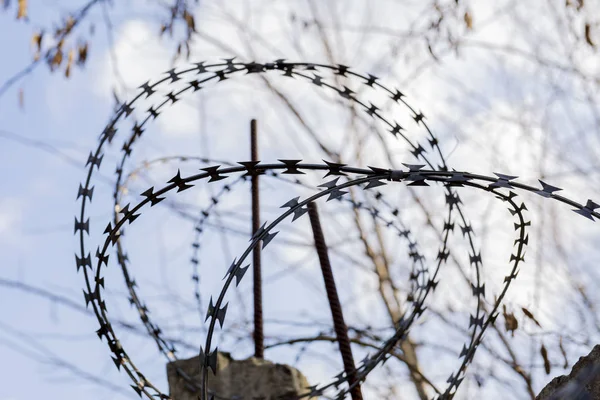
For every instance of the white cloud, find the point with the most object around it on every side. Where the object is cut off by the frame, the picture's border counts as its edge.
(140, 55)
(11, 212)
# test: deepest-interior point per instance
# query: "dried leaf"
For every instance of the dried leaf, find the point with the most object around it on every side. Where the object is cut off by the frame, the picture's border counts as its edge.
(163, 29)
(544, 353)
(36, 40)
(70, 58)
(22, 10)
(588, 35)
(82, 52)
(529, 315)
(189, 19)
(69, 24)
(578, 7)
(510, 322)
(57, 59)
(563, 352)
(468, 20)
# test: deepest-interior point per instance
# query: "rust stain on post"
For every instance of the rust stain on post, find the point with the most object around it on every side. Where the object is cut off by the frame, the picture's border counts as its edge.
(339, 325)
(258, 335)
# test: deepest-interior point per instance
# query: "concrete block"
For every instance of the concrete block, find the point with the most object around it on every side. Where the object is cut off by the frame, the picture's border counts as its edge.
(249, 379)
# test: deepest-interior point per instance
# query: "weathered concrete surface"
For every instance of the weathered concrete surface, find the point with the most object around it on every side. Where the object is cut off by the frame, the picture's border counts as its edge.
(248, 379)
(583, 383)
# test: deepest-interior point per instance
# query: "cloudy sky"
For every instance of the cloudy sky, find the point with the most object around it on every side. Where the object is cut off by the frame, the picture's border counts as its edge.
(515, 97)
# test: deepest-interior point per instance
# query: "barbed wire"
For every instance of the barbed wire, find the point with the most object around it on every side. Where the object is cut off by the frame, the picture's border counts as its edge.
(394, 223)
(345, 177)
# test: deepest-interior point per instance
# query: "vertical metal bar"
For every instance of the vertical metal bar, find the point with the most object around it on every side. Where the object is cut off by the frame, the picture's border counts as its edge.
(339, 325)
(258, 335)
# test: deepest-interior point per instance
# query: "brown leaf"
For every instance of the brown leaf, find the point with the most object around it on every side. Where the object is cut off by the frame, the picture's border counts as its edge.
(563, 352)
(529, 315)
(70, 58)
(57, 59)
(63, 31)
(36, 40)
(82, 52)
(189, 19)
(69, 24)
(510, 322)
(588, 35)
(544, 353)
(22, 10)
(468, 20)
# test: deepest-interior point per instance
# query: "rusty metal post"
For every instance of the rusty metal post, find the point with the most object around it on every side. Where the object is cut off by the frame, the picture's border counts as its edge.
(339, 325)
(259, 348)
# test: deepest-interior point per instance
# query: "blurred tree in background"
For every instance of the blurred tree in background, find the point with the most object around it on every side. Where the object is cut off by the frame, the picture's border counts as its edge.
(507, 86)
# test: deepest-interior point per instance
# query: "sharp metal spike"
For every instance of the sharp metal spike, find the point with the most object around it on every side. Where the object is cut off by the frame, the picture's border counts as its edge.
(547, 190)
(330, 184)
(413, 167)
(374, 183)
(267, 239)
(239, 274)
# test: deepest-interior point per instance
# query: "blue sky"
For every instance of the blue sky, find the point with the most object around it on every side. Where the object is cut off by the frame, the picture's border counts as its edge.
(474, 101)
